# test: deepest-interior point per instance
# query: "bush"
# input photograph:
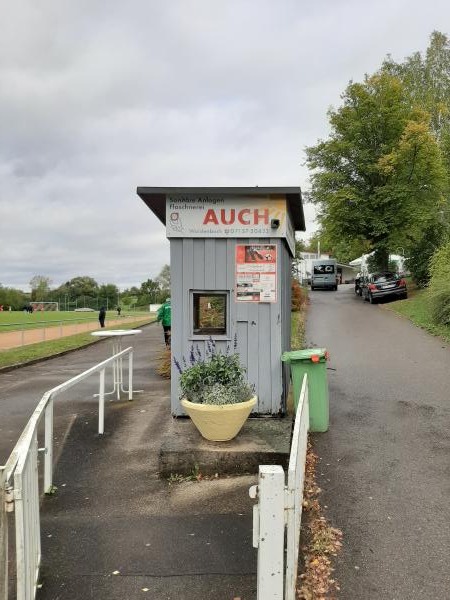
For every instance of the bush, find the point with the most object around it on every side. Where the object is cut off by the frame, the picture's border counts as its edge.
(420, 253)
(439, 287)
(298, 296)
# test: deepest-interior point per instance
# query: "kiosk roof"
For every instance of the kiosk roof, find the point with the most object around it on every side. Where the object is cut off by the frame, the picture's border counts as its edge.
(155, 198)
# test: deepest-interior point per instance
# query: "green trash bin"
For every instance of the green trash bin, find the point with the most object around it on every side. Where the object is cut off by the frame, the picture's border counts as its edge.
(313, 362)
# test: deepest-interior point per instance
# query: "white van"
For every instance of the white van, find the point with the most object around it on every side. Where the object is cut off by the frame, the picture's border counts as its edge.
(324, 274)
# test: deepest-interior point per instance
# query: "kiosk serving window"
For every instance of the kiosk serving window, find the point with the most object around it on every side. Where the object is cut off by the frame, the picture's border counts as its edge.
(210, 313)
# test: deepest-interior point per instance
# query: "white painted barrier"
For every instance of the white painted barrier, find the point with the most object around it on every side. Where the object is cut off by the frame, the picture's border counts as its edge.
(19, 477)
(279, 506)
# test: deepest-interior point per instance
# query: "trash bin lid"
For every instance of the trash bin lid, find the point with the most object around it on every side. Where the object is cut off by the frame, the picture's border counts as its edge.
(306, 354)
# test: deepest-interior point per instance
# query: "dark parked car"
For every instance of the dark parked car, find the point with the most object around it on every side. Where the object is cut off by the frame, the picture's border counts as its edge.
(383, 284)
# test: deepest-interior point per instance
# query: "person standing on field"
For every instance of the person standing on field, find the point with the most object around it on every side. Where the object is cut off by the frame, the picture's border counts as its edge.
(101, 316)
(165, 317)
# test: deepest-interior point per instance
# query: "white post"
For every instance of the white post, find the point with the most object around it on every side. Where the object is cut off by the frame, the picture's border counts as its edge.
(117, 347)
(130, 376)
(48, 442)
(271, 533)
(101, 403)
(119, 376)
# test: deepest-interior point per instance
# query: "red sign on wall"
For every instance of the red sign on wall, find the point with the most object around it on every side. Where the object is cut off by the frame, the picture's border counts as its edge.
(256, 273)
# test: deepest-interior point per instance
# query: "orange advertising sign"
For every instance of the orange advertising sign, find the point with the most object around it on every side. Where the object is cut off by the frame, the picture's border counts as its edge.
(214, 217)
(256, 273)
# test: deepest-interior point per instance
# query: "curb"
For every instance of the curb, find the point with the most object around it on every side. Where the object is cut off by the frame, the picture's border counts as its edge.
(260, 442)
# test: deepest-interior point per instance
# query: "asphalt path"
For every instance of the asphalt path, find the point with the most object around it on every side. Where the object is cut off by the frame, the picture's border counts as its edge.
(22, 388)
(115, 530)
(385, 461)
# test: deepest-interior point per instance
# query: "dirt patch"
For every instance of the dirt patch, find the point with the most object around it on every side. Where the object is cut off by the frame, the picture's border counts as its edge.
(321, 542)
(25, 337)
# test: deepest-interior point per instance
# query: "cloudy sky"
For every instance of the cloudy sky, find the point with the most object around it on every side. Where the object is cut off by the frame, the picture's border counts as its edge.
(99, 97)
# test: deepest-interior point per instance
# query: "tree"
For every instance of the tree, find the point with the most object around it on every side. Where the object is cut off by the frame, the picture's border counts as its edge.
(40, 287)
(80, 286)
(17, 299)
(149, 292)
(109, 294)
(419, 256)
(344, 250)
(164, 279)
(129, 297)
(426, 81)
(380, 173)
(299, 248)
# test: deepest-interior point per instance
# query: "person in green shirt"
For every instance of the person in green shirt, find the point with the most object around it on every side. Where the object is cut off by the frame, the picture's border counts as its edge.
(165, 316)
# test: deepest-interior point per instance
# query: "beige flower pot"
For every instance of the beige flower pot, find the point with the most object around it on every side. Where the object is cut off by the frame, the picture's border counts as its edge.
(219, 423)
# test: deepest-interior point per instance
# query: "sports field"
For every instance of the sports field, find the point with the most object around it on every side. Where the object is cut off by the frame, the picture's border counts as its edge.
(10, 321)
(31, 340)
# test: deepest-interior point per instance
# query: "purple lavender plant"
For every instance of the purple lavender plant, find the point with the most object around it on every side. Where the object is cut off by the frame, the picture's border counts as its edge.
(177, 364)
(192, 356)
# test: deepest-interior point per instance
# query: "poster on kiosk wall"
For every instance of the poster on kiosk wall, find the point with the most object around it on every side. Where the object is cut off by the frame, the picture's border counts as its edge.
(256, 273)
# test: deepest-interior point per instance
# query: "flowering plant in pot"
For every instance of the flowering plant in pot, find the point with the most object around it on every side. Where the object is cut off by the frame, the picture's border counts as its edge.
(215, 393)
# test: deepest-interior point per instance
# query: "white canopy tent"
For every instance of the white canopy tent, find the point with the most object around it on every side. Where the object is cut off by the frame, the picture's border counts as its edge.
(361, 262)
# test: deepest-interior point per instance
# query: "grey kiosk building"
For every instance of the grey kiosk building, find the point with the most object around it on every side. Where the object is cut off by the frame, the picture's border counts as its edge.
(230, 261)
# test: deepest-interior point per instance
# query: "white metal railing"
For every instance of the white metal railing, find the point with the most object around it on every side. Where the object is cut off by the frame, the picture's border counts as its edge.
(19, 489)
(279, 506)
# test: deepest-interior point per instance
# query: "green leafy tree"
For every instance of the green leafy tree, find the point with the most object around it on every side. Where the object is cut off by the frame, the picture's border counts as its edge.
(109, 295)
(15, 298)
(129, 297)
(78, 287)
(163, 280)
(40, 287)
(380, 172)
(343, 249)
(149, 292)
(426, 81)
(299, 248)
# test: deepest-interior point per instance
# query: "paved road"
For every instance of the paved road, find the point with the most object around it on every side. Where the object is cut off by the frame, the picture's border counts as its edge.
(385, 462)
(21, 389)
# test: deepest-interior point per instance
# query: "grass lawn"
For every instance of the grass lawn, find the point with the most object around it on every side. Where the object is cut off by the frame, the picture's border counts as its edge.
(13, 320)
(416, 310)
(32, 352)
(298, 323)
(298, 320)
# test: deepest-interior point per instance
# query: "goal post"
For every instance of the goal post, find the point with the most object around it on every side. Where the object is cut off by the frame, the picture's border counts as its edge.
(44, 306)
